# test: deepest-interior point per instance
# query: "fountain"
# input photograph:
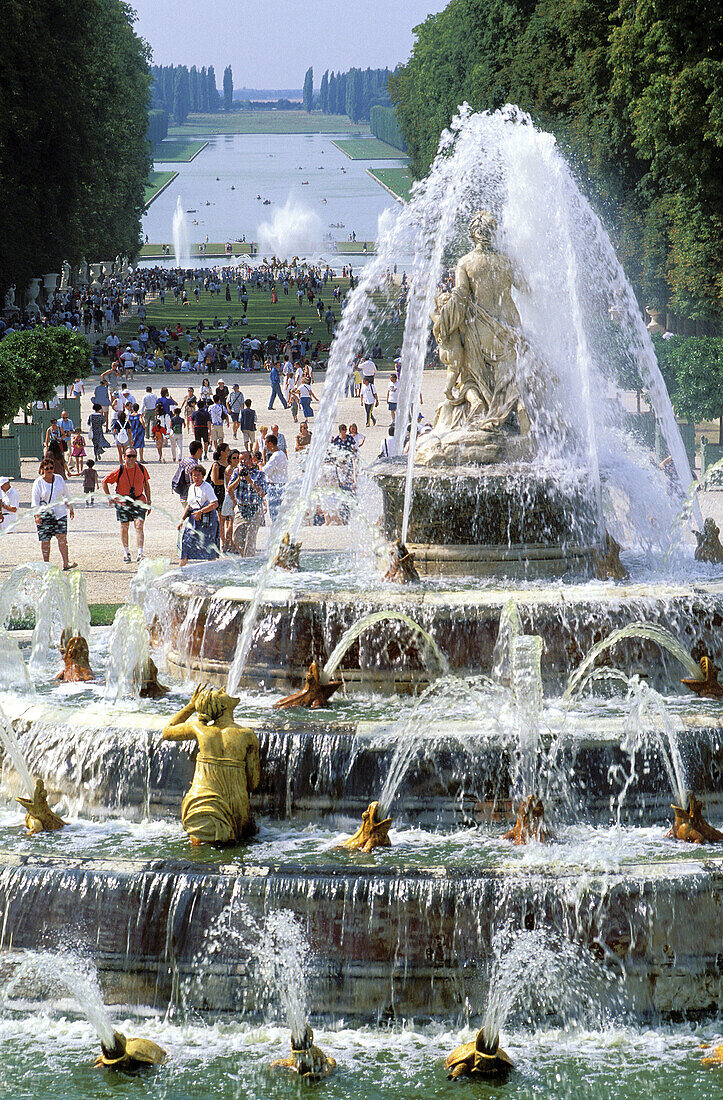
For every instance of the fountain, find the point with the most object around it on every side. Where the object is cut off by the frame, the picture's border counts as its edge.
(507, 679)
(181, 245)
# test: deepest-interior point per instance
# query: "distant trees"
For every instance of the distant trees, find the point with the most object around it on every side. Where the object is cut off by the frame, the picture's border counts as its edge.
(354, 93)
(384, 124)
(181, 95)
(308, 92)
(227, 89)
(74, 149)
(201, 96)
(634, 94)
(157, 126)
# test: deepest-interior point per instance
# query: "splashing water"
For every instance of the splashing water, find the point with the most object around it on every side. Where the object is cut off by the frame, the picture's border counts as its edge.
(13, 673)
(648, 631)
(11, 745)
(509, 628)
(181, 245)
(64, 971)
(293, 229)
(649, 722)
(128, 648)
(359, 627)
(526, 679)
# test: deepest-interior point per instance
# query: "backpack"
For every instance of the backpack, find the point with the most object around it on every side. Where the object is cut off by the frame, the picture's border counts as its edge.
(180, 483)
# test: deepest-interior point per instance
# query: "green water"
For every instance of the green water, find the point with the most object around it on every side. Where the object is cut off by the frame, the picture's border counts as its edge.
(48, 1053)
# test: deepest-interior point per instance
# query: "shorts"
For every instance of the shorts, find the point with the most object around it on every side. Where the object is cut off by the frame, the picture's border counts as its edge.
(235, 417)
(50, 526)
(392, 406)
(249, 436)
(217, 433)
(127, 513)
(200, 435)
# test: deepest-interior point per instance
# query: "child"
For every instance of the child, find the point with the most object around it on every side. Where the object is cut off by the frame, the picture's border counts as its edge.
(392, 393)
(90, 481)
(78, 452)
(159, 435)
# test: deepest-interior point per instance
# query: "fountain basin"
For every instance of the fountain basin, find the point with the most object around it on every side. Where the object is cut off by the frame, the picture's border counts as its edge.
(511, 520)
(299, 625)
(385, 942)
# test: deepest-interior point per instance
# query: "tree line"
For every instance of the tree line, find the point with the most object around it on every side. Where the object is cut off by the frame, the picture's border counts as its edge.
(180, 91)
(351, 93)
(634, 94)
(74, 151)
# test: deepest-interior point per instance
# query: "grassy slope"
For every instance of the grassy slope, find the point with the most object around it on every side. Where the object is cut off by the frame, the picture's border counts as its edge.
(156, 182)
(267, 122)
(369, 149)
(398, 180)
(264, 318)
(169, 152)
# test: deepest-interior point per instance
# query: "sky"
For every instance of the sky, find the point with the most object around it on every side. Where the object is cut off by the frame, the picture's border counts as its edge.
(271, 43)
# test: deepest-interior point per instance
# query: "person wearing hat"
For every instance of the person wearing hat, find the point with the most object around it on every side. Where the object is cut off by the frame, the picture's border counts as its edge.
(51, 504)
(132, 499)
(9, 498)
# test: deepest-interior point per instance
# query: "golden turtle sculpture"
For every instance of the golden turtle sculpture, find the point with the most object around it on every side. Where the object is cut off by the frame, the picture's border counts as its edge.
(690, 825)
(39, 818)
(131, 1053)
(479, 1058)
(372, 833)
(307, 1060)
(315, 693)
(706, 687)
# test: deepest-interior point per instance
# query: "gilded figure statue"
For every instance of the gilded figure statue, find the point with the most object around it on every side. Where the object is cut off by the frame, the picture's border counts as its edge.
(707, 686)
(307, 1060)
(401, 565)
(39, 818)
(288, 556)
(715, 1058)
(530, 823)
(478, 333)
(690, 825)
(217, 808)
(709, 546)
(372, 833)
(314, 694)
(76, 658)
(480, 1057)
(130, 1053)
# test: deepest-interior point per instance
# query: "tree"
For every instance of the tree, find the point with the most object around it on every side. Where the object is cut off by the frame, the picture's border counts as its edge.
(34, 362)
(340, 94)
(354, 95)
(308, 93)
(211, 88)
(331, 96)
(181, 95)
(324, 93)
(693, 371)
(227, 89)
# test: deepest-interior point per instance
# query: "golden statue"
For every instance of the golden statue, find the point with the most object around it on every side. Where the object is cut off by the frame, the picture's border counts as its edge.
(77, 660)
(288, 555)
(714, 1059)
(150, 687)
(608, 566)
(707, 687)
(39, 817)
(691, 826)
(479, 1058)
(478, 333)
(530, 823)
(131, 1053)
(372, 833)
(314, 694)
(709, 546)
(401, 565)
(216, 809)
(307, 1060)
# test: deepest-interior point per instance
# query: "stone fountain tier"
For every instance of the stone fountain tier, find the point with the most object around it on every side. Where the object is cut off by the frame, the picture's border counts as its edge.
(202, 624)
(328, 769)
(386, 943)
(509, 520)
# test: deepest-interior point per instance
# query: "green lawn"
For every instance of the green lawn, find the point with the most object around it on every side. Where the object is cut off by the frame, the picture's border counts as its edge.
(398, 180)
(265, 318)
(214, 249)
(157, 182)
(369, 149)
(267, 122)
(177, 150)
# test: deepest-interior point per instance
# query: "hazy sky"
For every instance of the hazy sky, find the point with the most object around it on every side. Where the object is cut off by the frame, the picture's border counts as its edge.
(271, 43)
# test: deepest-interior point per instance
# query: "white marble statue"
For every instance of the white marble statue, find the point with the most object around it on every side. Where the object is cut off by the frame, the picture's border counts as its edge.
(10, 306)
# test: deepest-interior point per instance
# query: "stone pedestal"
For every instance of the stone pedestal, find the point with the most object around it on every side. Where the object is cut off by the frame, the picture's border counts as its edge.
(31, 294)
(511, 520)
(50, 283)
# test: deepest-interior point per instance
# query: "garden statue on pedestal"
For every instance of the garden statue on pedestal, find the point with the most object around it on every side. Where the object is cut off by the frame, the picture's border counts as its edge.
(478, 333)
(217, 809)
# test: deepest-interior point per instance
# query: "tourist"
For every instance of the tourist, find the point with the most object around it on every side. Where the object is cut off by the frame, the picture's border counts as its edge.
(182, 477)
(160, 430)
(188, 406)
(228, 507)
(51, 504)
(306, 396)
(78, 451)
(96, 422)
(369, 400)
(248, 424)
(217, 478)
(199, 541)
(250, 493)
(357, 436)
(392, 393)
(112, 344)
(368, 369)
(56, 455)
(234, 405)
(303, 439)
(137, 429)
(148, 408)
(176, 435)
(275, 381)
(219, 417)
(280, 438)
(101, 397)
(132, 499)
(201, 424)
(387, 450)
(52, 433)
(121, 435)
(9, 499)
(276, 471)
(91, 482)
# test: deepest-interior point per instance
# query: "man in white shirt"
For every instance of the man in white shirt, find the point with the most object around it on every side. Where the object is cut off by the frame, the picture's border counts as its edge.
(368, 370)
(128, 361)
(219, 417)
(148, 408)
(9, 499)
(51, 504)
(280, 438)
(112, 343)
(275, 470)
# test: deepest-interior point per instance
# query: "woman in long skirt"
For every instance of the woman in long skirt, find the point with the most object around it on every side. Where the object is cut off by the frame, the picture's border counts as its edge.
(199, 541)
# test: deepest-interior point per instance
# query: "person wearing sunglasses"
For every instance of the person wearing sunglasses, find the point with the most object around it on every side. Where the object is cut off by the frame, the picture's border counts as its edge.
(51, 504)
